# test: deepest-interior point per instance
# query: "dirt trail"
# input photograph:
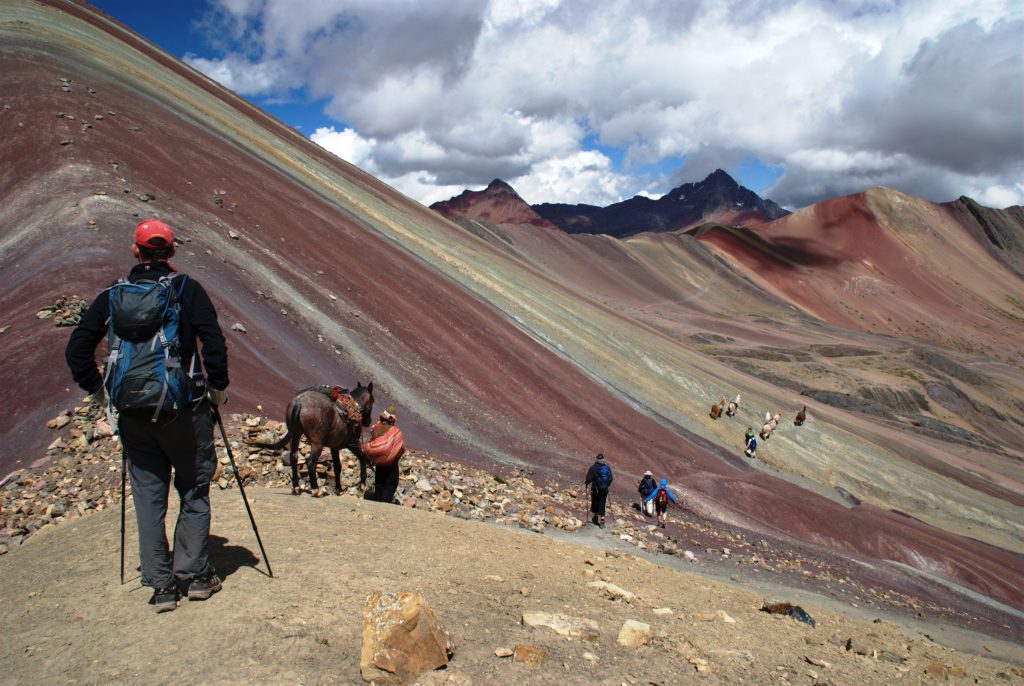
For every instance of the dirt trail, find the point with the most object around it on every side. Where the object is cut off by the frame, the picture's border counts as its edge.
(67, 619)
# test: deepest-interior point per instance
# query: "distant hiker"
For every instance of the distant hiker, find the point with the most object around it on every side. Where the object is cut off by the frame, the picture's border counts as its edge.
(154, 378)
(733, 406)
(661, 497)
(646, 485)
(751, 450)
(599, 479)
(748, 435)
(384, 451)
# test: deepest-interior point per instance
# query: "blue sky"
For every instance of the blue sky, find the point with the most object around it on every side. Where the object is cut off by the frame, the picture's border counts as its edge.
(599, 100)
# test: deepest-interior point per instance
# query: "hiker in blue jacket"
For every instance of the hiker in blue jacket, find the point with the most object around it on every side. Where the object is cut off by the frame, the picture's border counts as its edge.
(599, 479)
(661, 498)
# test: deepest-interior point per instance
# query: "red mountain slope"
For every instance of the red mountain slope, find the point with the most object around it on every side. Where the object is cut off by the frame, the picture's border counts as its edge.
(513, 344)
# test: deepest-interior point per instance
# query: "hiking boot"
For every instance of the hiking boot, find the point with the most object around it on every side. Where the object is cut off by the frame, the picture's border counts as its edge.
(203, 586)
(594, 519)
(165, 599)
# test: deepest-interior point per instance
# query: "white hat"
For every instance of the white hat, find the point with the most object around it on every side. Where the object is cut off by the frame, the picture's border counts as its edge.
(648, 473)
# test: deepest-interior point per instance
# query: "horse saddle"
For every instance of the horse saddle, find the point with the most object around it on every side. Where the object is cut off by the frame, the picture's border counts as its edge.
(344, 402)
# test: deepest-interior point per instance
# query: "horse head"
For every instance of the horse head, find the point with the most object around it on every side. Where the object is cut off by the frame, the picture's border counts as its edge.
(363, 395)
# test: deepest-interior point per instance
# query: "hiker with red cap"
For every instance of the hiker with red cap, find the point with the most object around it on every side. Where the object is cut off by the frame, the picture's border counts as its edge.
(162, 384)
(384, 450)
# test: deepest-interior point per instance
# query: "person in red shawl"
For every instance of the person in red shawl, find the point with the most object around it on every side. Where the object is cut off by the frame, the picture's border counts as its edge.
(384, 449)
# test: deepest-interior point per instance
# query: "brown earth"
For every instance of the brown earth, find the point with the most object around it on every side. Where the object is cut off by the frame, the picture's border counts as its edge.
(68, 620)
(512, 345)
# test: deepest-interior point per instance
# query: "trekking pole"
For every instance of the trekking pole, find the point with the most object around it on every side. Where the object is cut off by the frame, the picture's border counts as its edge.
(124, 460)
(234, 469)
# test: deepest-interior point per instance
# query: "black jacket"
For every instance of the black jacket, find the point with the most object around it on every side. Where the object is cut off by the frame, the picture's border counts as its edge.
(198, 319)
(646, 485)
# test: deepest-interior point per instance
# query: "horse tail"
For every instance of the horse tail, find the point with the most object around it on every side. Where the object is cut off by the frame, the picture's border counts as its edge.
(292, 425)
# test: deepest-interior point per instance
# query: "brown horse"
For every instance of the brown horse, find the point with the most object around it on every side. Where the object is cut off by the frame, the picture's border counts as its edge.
(316, 415)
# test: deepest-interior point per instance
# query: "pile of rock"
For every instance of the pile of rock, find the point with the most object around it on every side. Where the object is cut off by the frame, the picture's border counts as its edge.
(83, 476)
(67, 311)
(512, 498)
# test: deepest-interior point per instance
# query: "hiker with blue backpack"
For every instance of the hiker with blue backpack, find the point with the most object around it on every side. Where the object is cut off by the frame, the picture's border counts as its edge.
(599, 479)
(162, 385)
(661, 497)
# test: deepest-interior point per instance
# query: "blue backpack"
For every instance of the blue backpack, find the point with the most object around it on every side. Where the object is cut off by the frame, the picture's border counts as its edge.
(603, 477)
(144, 371)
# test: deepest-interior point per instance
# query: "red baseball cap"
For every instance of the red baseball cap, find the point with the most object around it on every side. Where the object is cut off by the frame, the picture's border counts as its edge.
(153, 233)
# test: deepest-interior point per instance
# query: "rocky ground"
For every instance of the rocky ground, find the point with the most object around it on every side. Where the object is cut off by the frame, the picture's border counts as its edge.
(681, 582)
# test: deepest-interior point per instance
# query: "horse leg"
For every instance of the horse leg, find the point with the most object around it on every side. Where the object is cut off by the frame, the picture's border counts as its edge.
(357, 450)
(315, 449)
(336, 462)
(294, 456)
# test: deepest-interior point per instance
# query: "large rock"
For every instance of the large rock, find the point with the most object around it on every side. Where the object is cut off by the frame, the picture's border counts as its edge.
(402, 638)
(562, 624)
(634, 634)
(612, 591)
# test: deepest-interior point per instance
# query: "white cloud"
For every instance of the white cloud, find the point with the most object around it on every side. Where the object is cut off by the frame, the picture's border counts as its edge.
(346, 144)
(844, 95)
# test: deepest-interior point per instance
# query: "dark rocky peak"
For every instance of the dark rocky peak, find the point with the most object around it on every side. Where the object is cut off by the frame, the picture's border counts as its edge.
(499, 186)
(717, 181)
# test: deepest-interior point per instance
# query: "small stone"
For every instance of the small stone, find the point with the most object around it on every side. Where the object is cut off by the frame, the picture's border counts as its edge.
(493, 577)
(237, 326)
(661, 611)
(66, 141)
(233, 235)
(590, 657)
(503, 652)
(531, 656)
(700, 664)
(937, 671)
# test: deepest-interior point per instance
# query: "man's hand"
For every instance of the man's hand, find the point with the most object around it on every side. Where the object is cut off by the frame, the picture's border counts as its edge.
(217, 397)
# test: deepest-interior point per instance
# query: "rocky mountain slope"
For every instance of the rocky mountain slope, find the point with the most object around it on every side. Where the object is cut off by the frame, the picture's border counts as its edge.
(718, 197)
(513, 345)
(527, 592)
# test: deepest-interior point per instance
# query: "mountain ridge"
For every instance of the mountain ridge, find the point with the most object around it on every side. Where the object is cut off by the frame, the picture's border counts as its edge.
(717, 197)
(514, 344)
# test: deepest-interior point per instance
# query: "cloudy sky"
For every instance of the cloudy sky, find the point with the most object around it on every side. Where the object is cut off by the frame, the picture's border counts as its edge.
(599, 100)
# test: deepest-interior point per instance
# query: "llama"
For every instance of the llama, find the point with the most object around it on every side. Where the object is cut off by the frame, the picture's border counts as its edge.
(801, 416)
(733, 406)
(716, 409)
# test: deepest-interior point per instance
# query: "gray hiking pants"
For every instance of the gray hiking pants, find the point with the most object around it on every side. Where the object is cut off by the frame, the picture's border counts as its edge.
(184, 442)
